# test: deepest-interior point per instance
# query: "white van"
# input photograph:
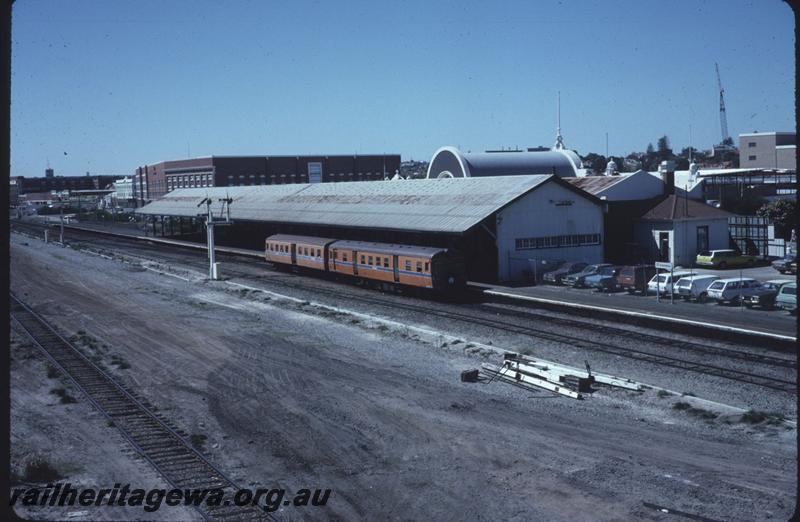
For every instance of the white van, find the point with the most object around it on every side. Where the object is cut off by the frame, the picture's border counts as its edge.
(663, 282)
(730, 290)
(695, 286)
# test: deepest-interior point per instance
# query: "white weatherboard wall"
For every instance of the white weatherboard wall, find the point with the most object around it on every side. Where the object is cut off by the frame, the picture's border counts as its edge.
(537, 215)
(683, 237)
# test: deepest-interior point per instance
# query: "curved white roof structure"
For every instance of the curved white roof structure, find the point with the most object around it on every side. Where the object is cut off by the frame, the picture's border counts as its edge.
(449, 162)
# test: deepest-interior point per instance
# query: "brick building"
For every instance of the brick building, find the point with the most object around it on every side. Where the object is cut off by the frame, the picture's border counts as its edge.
(151, 182)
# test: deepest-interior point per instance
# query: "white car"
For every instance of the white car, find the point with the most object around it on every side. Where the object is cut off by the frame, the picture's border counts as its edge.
(731, 290)
(695, 286)
(663, 282)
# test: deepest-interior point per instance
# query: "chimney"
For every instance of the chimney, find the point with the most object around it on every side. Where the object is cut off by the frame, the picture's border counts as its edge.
(667, 170)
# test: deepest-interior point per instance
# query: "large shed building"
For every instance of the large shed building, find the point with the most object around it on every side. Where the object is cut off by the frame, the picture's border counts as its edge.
(501, 224)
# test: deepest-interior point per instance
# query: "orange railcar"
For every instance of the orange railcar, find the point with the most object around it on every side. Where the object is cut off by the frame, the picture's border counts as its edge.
(302, 251)
(383, 263)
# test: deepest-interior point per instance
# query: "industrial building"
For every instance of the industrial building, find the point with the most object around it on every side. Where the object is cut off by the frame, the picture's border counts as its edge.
(501, 225)
(768, 150)
(449, 162)
(59, 183)
(151, 182)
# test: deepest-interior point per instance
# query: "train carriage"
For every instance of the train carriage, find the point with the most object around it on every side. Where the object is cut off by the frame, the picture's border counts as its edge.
(389, 265)
(408, 265)
(301, 251)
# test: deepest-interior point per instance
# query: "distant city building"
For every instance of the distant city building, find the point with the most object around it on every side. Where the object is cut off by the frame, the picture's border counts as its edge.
(46, 184)
(150, 182)
(123, 189)
(49, 173)
(13, 191)
(768, 150)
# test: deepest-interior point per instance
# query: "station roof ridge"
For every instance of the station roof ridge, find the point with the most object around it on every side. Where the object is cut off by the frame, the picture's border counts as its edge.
(443, 205)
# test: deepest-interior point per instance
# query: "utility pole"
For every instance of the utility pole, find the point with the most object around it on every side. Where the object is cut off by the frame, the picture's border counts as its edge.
(213, 274)
(61, 236)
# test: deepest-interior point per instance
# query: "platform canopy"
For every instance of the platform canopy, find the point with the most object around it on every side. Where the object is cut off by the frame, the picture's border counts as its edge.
(444, 205)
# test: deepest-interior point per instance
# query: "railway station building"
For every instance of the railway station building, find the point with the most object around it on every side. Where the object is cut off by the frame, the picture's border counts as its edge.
(502, 225)
(151, 182)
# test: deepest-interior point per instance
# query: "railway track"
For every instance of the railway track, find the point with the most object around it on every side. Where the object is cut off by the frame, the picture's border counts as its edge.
(541, 333)
(181, 465)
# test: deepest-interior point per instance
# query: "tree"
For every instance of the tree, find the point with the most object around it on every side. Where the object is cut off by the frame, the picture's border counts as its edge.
(650, 149)
(783, 214)
(663, 145)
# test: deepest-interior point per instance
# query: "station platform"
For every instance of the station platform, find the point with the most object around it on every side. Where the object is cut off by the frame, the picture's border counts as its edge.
(770, 326)
(679, 315)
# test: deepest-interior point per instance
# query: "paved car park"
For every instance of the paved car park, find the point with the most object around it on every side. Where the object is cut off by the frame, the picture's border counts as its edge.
(771, 321)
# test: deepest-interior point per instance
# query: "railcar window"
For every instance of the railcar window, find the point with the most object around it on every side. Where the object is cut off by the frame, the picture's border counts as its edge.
(362, 260)
(369, 260)
(385, 262)
(419, 266)
(344, 257)
(427, 266)
(319, 252)
(408, 265)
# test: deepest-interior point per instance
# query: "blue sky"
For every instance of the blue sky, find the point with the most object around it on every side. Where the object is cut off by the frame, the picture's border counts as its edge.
(105, 86)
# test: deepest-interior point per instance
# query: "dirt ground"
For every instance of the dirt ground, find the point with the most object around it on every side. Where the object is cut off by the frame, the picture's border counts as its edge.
(288, 397)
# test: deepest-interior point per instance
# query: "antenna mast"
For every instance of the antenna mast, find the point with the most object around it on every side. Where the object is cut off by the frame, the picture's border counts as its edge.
(723, 118)
(559, 140)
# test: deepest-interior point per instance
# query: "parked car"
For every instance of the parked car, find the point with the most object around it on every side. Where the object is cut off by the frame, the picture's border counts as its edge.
(634, 278)
(724, 259)
(578, 279)
(787, 298)
(782, 265)
(731, 290)
(556, 276)
(764, 295)
(695, 286)
(663, 282)
(605, 280)
(793, 267)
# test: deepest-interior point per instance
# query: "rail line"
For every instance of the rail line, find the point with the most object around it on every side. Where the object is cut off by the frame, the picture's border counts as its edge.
(571, 340)
(181, 465)
(564, 323)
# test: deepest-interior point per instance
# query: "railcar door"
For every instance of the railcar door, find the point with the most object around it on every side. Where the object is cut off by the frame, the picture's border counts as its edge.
(396, 268)
(294, 253)
(355, 262)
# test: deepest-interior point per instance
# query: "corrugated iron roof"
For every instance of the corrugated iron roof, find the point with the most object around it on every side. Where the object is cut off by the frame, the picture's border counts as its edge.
(445, 205)
(595, 184)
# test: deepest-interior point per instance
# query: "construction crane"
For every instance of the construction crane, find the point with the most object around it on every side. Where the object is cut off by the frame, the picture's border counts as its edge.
(723, 119)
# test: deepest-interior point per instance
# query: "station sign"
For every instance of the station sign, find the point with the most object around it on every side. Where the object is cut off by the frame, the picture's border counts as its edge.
(663, 265)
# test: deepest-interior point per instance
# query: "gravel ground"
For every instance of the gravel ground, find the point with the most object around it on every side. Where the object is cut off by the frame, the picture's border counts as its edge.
(292, 396)
(87, 453)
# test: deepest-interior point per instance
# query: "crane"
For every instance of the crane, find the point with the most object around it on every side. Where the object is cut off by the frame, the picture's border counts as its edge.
(723, 119)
